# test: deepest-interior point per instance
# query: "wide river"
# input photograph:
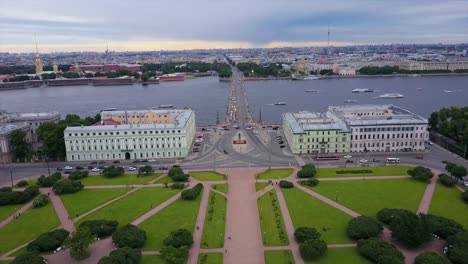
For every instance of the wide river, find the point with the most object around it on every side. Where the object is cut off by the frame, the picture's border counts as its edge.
(207, 95)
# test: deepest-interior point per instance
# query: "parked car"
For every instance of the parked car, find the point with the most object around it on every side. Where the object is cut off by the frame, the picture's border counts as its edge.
(95, 170)
(429, 143)
(197, 144)
(347, 156)
(68, 168)
(90, 167)
(445, 161)
(59, 168)
(116, 161)
(281, 142)
(349, 161)
(363, 161)
(79, 167)
(176, 166)
(465, 184)
(163, 168)
(145, 160)
(132, 168)
(195, 150)
(282, 146)
(67, 172)
(101, 167)
(152, 160)
(225, 152)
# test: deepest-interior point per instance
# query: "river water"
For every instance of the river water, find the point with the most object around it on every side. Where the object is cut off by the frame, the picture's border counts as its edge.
(207, 96)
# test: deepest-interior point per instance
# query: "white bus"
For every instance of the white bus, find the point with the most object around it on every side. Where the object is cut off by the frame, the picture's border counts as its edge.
(393, 160)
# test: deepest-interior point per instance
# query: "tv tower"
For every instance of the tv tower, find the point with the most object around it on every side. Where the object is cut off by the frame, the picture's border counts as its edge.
(328, 44)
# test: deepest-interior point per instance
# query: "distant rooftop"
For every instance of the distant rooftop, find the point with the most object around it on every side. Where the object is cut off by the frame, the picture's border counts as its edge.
(6, 129)
(310, 121)
(44, 115)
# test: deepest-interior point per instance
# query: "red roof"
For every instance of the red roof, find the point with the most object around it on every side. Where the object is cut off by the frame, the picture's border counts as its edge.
(107, 122)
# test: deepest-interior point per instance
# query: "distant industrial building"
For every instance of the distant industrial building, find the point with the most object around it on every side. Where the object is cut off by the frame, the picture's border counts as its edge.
(106, 68)
(138, 134)
(7, 153)
(433, 66)
(34, 120)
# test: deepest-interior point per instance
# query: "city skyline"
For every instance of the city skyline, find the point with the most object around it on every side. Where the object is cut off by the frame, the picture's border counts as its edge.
(89, 26)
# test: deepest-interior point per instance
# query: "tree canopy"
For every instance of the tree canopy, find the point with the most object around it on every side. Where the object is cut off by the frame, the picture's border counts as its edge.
(379, 251)
(364, 227)
(22, 148)
(129, 236)
(451, 122)
(302, 234)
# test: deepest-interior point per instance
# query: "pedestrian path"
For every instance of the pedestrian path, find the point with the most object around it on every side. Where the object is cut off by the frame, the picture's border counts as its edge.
(199, 226)
(17, 212)
(427, 196)
(60, 210)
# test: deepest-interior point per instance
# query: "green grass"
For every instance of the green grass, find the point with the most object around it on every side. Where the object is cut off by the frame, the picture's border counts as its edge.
(271, 220)
(207, 176)
(307, 211)
(275, 174)
(342, 255)
(152, 259)
(120, 180)
(221, 187)
(165, 179)
(278, 257)
(447, 202)
(392, 170)
(87, 199)
(27, 227)
(210, 258)
(367, 197)
(179, 214)
(261, 185)
(7, 210)
(133, 205)
(215, 222)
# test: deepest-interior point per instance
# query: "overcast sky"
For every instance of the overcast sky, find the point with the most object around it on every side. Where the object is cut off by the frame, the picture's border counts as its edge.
(185, 24)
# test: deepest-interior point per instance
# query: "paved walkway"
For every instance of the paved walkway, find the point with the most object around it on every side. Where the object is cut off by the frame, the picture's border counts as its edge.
(60, 210)
(427, 196)
(12, 216)
(197, 233)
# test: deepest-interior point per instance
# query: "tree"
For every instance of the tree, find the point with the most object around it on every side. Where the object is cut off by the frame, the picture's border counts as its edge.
(379, 251)
(458, 248)
(302, 234)
(312, 249)
(363, 227)
(193, 193)
(48, 241)
(307, 171)
(174, 255)
(421, 173)
(7, 196)
(68, 186)
(441, 226)
(286, 184)
(145, 170)
(113, 171)
(40, 201)
(465, 196)
(78, 175)
(174, 171)
(431, 258)
(100, 228)
(22, 148)
(124, 255)
(179, 238)
(79, 243)
(49, 181)
(458, 172)
(29, 258)
(129, 236)
(447, 180)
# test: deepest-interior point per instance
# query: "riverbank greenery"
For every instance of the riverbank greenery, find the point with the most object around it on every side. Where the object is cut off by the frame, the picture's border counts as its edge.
(251, 69)
(223, 69)
(451, 122)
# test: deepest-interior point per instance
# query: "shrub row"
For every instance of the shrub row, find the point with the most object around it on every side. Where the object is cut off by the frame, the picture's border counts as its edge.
(277, 213)
(447, 180)
(311, 246)
(48, 241)
(193, 193)
(363, 227)
(68, 186)
(78, 175)
(421, 174)
(379, 251)
(49, 181)
(310, 182)
(8, 197)
(100, 228)
(122, 255)
(129, 236)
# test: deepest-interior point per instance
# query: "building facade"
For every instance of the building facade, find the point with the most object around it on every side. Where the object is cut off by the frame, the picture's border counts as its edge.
(106, 68)
(34, 120)
(382, 127)
(433, 66)
(315, 133)
(144, 134)
(6, 148)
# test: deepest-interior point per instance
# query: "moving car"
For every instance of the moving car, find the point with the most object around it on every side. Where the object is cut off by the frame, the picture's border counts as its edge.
(363, 161)
(102, 162)
(95, 170)
(282, 146)
(347, 156)
(163, 168)
(93, 162)
(59, 168)
(132, 168)
(68, 168)
(79, 167)
(225, 151)
(116, 161)
(152, 160)
(136, 161)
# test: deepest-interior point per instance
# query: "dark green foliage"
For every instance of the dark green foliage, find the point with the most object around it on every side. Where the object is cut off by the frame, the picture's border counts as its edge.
(145, 170)
(364, 227)
(447, 180)
(379, 251)
(458, 248)
(78, 175)
(223, 69)
(7, 196)
(29, 258)
(124, 255)
(180, 177)
(41, 200)
(353, 171)
(312, 249)
(286, 184)
(49, 181)
(67, 186)
(22, 183)
(449, 166)
(451, 122)
(22, 148)
(129, 236)
(374, 70)
(387, 214)
(113, 171)
(6, 189)
(79, 243)
(421, 174)
(441, 226)
(465, 196)
(310, 182)
(179, 238)
(193, 193)
(255, 70)
(175, 171)
(302, 234)
(458, 171)
(178, 185)
(307, 171)
(48, 241)
(431, 258)
(100, 228)
(174, 255)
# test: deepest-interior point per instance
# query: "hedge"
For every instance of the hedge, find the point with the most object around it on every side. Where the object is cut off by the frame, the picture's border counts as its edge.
(68, 186)
(286, 184)
(8, 197)
(48, 241)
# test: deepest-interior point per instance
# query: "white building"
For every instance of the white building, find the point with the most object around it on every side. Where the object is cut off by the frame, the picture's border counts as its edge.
(34, 120)
(6, 149)
(383, 127)
(140, 134)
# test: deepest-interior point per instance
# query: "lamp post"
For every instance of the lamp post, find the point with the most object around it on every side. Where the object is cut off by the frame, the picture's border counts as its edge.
(11, 176)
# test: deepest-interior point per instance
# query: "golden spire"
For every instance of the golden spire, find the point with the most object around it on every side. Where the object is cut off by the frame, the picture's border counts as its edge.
(38, 60)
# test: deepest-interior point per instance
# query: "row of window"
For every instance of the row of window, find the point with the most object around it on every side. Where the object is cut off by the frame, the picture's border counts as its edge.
(322, 140)
(125, 133)
(139, 140)
(393, 144)
(377, 129)
(393, 136)
(320, 146)
(102, 156)
(121, 146)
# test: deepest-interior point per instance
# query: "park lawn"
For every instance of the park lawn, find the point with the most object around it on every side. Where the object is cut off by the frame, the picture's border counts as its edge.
(273, 234)
(341, 255)
(447, 202)
(120, 180)
(133, 205)
(210, 258)
(152, 259)
(307, 211)
(165, 179)
(279, 257)
(179, 214)
(367, 197)
(275, 174)
(215, 222)
(221, 187)
(207, 175)
(27, 227)
(391, 170)
(87, 199)
(7, 210)
(261, 185)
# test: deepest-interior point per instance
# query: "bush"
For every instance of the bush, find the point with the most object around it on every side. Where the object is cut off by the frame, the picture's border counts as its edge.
(421, 174)
(363, 227)
(286, 184)
(100, 228)
(310, 182)
(67, 186)
(175, 171)
(307, 171)
(465, 196)
(40, 201)
(441, 226)
(113, 171)
(458, 248)
(193, 193)
(447, 180)
(145, 170)
(129, 236)
(124, 255)
(48, 241)
(387, 214)
(431, 258)
(456, 170)
(449, 166)
(178, 185)
(22, 183)
(78, 175)
(303, 234)
(79, 243)
(8, 197)
(312, 249)
(353, 171)
(379, 251)
(179, 238)
(174, 255)
(49, 181)
(6, 189)
(29, 258)
(180, 177)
